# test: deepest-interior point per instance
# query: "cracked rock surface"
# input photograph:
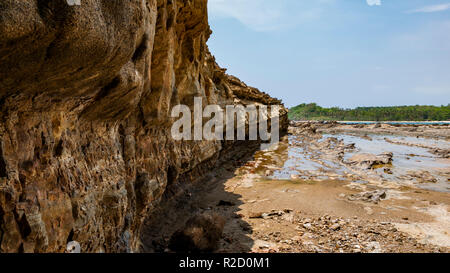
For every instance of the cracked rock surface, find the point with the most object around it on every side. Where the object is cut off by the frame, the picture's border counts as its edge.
(85, 95)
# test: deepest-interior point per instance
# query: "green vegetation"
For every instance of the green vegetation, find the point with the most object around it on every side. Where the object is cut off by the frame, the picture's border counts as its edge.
(395, 113)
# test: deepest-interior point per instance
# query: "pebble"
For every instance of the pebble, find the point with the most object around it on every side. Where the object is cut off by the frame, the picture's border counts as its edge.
(307, 226)
(368, 210)
(335, 227)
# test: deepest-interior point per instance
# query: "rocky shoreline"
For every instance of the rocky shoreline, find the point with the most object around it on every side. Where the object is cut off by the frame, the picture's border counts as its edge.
(431, 130)
(87, 159)
(314, 211)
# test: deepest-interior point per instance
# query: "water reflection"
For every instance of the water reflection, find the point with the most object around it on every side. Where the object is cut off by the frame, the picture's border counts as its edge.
(299, 157)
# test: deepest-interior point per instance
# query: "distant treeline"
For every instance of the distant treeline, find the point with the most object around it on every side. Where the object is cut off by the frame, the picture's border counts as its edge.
(395, 113)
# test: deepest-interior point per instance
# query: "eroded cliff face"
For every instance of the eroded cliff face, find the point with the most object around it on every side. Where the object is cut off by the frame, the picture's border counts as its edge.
(85, 95)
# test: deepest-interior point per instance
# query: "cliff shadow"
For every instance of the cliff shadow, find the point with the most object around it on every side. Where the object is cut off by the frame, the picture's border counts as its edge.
(185, 198)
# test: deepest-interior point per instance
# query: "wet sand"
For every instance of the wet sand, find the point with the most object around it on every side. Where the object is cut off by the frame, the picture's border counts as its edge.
(305, 195)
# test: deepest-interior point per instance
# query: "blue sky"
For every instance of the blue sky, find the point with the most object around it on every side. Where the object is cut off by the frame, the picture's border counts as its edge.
(343, 53)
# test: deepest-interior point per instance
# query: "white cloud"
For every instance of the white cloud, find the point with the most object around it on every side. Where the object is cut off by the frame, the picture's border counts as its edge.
(258, 15)
(432, 8)
(267, 15)
(374, 2)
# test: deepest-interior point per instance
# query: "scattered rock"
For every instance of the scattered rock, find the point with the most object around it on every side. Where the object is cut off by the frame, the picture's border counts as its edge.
(369, 161)
(73, 247)
(265, 246)
(370, 196)
(422, 176)
(254, 215)
(444, 153)
(374, 247)
(335, 227)
(368, 210)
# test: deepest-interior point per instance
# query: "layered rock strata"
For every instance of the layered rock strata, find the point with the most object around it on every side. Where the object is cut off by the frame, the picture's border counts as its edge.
(86, 93)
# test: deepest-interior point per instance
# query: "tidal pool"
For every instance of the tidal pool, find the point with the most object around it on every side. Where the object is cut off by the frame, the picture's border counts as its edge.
(304, 158)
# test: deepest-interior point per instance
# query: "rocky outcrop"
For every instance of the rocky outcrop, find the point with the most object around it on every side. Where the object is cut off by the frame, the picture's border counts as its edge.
(85, 95)
(369, 161)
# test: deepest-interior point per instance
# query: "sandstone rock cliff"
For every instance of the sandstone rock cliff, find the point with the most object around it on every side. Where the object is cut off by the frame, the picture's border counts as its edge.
(85, 96)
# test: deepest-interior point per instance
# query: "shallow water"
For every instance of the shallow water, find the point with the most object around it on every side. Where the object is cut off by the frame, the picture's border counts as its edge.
(295, 161)
(406, 158)
(398, 122)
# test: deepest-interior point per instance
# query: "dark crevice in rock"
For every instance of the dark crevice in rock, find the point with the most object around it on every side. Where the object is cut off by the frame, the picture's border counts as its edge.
(27, 165)
(3, 172)
(54, 20)
(170, 21)
(108, 88)
(21, 250)
(1, 226)
(37, 154)
(70, 237)
(24, 226)
(43, 142)
(2, 102)
(44, 9)
(140, 50)
(23, 183)
(59, 148)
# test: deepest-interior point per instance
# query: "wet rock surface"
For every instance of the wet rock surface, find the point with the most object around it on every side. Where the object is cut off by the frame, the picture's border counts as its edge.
(372, 196)
(303, 196)
(369, 161)
(85, 154)
(329, 150)
(86, 93)
(291, 217)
